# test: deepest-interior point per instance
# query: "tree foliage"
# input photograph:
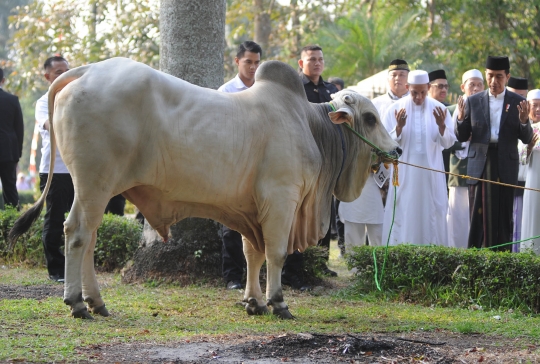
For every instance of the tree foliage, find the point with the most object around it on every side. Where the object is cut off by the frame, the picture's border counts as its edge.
(358, 45)
(83, 31)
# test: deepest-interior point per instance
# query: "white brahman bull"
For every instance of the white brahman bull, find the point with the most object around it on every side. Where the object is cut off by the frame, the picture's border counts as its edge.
(264, 162)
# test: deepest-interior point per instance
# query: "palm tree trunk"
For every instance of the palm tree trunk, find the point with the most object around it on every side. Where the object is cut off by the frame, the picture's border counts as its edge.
(192, 46)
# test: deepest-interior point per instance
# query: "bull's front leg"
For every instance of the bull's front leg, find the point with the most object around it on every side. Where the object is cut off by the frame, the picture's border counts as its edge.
(255, 304)
(275, 258)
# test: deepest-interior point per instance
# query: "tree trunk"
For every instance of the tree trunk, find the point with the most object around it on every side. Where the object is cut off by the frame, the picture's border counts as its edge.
(431, 21)
(192, 40)
(297, 37)
(263, 24)
(192, 46)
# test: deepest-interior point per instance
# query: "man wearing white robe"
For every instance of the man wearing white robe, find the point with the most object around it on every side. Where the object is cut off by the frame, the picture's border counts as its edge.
(366, 213)
(423, 128)
(458, 218)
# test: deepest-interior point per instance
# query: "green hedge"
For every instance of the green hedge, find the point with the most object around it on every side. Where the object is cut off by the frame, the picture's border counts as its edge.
(451, 277)
(117, 239)
(27, 197)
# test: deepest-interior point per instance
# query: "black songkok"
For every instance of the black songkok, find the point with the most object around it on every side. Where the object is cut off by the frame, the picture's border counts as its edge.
(398, 64)
(435, 75)
(497, 63)
(518, 83)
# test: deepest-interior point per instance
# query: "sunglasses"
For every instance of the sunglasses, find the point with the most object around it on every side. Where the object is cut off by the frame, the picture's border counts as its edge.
(440, 86)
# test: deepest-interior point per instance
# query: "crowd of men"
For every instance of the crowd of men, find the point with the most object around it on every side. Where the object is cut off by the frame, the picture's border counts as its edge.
(477, 137)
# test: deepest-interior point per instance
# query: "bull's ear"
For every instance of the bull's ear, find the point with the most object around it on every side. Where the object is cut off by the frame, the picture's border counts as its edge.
(342, 115)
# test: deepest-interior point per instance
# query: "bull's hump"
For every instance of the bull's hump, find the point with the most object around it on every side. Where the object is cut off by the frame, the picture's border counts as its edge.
(280, 73)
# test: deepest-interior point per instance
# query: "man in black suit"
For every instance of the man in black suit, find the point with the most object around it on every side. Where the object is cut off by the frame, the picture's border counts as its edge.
(494, 119)
(311, 64)
(11, 143)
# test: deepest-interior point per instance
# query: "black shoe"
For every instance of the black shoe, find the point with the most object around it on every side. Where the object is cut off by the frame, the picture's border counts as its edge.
(295, 282)
(57, 278)
(329, 273)
(234, 284)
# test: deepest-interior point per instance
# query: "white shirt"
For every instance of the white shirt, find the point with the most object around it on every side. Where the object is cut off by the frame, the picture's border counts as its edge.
(496, 104)
(42, 115)
(234, 85)
(383, 102)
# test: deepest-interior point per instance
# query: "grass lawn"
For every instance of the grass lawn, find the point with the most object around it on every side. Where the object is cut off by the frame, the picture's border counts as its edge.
(42, 330)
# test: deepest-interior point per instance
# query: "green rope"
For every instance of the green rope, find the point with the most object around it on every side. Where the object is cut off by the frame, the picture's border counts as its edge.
(509, 243)
(377, 281)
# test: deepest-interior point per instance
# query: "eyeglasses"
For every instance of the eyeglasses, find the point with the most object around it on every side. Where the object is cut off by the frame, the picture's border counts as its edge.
(440, 86)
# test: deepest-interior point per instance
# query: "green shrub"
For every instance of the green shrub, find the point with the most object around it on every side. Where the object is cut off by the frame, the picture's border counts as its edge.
(28, 249)
(314, 263)
(117, 239)
(451, 277)
(27, 197)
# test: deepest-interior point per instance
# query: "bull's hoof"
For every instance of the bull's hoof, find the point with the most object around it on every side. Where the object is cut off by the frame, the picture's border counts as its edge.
(101, 310)
(283, 313)
(82, 314)
(252, 308)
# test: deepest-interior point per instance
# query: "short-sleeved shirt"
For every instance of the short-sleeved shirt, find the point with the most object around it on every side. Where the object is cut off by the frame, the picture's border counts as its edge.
(320, 92)
(42, 115)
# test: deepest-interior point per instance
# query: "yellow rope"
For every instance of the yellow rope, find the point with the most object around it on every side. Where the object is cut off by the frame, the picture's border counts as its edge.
(463, 176)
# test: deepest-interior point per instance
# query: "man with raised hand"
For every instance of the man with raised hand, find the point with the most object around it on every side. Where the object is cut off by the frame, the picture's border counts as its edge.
(472, 82)
(494, 120)
(423, 128)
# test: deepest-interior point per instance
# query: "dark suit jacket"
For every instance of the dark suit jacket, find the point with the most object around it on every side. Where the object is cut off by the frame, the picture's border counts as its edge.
(476, 121)
(11, 128)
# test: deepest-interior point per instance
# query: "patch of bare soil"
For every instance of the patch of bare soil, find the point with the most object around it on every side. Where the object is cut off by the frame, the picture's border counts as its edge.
(437, 347)
(39, 292)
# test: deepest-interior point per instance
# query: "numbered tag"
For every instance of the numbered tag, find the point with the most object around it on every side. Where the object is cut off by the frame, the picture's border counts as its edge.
(381, 175)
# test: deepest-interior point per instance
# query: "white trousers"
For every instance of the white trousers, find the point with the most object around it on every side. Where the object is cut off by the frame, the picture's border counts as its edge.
(355, 234)
(458, 217)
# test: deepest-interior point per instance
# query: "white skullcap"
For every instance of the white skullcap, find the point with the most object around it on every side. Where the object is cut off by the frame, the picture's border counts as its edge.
(418, 77)
(470, 74)
(533, 94)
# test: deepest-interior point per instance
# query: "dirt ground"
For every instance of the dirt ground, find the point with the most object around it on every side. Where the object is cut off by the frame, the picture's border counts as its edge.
(416, 347)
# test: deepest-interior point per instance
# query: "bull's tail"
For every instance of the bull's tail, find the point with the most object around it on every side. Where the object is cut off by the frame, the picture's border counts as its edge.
(25, 221)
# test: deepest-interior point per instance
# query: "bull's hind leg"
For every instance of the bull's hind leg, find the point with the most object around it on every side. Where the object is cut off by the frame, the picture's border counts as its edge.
(82, 222)
(90, 288)
(253, 296)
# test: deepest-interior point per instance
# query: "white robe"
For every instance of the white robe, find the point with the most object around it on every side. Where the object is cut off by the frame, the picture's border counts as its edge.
(422, 200)
(457, 219)
(530, 223)
(383, 102)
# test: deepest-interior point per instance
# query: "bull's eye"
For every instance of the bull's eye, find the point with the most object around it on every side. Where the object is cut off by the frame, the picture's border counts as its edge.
(370, 119)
